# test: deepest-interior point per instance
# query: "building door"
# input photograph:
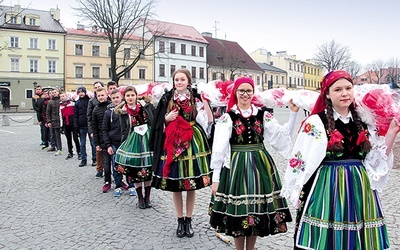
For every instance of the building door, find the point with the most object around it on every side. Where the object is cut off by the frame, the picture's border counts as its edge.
(4, 96)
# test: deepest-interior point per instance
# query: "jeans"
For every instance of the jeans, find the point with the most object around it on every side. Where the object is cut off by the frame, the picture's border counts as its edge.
(109, 165)
(83, 132)
(70, 134)
(57, 137)
(52, 138)
(45, 133)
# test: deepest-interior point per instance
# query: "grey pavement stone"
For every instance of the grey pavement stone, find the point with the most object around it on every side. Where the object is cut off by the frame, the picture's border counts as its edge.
(48, 202)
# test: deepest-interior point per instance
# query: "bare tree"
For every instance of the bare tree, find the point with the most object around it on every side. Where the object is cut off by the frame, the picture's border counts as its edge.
(332, 56)
(393, 72)
(376, 71)
(353, 68)
(230, 62)
(120, 21)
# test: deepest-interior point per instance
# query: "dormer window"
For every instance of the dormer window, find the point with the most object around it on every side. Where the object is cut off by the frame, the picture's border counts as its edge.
(13, 19)
(32, 21)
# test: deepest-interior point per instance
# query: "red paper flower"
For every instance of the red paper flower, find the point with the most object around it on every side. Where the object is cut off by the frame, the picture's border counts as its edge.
(307, 128)
(335, 138)
(363, 136)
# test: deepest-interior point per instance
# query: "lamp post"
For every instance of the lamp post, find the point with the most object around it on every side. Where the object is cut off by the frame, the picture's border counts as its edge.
(34, 84)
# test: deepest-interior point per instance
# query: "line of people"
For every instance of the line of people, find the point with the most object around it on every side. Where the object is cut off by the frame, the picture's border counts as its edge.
(328, 175)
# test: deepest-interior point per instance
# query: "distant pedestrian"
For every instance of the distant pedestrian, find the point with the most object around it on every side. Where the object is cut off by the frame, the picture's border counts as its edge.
(112, 140)
(42, 106)
(67, 113)
(97, 129)
(54, 121)
(37, 101)
(133, 157)
(81, 124)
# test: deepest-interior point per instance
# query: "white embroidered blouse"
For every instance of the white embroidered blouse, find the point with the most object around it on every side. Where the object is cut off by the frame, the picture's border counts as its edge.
(278, 136)
(310, 149)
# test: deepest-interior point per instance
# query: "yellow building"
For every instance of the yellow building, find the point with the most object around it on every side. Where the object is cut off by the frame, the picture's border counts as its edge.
(88, 60)
(312, 75)
(31, 52)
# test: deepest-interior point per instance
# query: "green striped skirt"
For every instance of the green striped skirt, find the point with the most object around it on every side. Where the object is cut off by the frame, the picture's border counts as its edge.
(134, 158)
(191, 170)
(341, 211)
(248, 201)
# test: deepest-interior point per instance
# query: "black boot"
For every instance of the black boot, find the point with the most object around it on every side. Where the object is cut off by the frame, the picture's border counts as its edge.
(180, 231)
(147, 196)
(141, 203)
(188, 227)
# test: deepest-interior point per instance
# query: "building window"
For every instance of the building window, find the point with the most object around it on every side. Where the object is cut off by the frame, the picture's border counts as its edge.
(52, 66)
(33, 43)
(95, 50)
(290, 66)
(183, 67)
(29, 93)
(214, 76)
(32, 21)
(33, 65)
(162, 70)
(13, 19)
(109, 73)
(173, 68)
(78, 72)
(172, 48)
(161, 47)
(276, 79)
(127, 74)
(14, 42)
(183, 49)
(52, 44)
(201, 73)
(78, 49)
(96, 72)
(194, 72)
(142, 74)
(14, 64)
(109, 52)
(127, 53)
(193, 50)
(201, 51)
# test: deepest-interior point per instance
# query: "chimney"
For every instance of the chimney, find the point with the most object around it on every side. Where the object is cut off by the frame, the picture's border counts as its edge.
(80, 26)
(55, 13)
(207, 34)
(95, 29)
(17, 8)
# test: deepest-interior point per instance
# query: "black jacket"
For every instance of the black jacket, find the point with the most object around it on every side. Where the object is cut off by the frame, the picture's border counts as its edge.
(97, 123)
(111, 128)
(80, 113)
(91, 105)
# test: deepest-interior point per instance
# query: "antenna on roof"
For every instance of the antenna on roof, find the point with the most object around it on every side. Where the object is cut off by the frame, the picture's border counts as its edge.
(216, 28)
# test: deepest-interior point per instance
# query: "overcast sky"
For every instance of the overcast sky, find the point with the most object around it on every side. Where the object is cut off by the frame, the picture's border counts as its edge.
(369, 28)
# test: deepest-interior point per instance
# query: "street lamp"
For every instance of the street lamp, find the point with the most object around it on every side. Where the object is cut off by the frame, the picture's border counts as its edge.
(34, 84)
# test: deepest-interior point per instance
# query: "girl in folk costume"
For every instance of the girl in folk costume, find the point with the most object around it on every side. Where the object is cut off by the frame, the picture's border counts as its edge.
(337, 164)
(182, 123)
(246, 187)
(133, 157)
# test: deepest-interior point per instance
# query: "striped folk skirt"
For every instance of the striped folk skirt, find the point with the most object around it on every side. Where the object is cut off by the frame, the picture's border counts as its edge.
(134, 158)
(191, 170)
(340, 210)
(248, 201)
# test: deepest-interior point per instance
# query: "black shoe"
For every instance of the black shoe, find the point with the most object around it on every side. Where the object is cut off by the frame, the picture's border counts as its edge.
(82, 164)
(94, 164)
(188, 227)
(147, 197)
(180, 231)
(79, 157)
(69, 156)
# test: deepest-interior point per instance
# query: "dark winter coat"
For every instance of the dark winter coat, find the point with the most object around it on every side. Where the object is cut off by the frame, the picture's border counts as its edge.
(111, 128)
(93, 102)
(80, 113)
(97, 123)
(53, 112)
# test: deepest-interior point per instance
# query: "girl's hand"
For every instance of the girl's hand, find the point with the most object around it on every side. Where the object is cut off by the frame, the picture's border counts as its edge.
(171, 116)
(394, 126)
(110, 151)
(214, 187)
(292, 106)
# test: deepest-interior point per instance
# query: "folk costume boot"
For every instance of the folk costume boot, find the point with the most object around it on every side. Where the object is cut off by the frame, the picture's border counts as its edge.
(180, 231)
(147, 196)
(188, 227)
(141, 203)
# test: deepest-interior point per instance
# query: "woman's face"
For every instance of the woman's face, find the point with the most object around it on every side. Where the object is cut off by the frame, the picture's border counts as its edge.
(130, 98)
(341, 93)
(181, 82)
(244, 95)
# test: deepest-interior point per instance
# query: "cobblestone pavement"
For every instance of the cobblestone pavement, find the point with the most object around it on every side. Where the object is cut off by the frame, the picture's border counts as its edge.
(47, 202)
